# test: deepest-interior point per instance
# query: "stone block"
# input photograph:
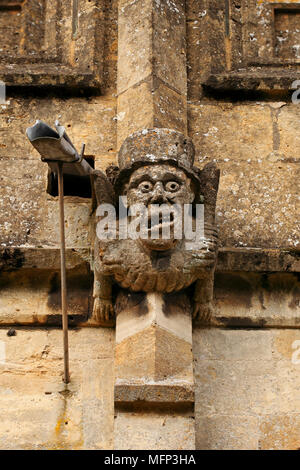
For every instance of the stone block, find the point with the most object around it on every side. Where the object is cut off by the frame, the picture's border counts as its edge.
(169, 44)
(150, 104)
(22, 200)
(247, 381)
(52, 43)
(50, 414)
(157, 29)
(77, 223)
(222, 432)
(258, 260)
(236, 388)
(167, 392)
(94, 124)
(153, 354)
(258, 184)
(284, 345)
(110, 53)
(280, 432)
(135, 111)
(289, 140)
(30, 286)
(253, 45)
(29, 215)
(170, 108)
(231, 132)
(141, 311)
(197, 69)
(34, 297)
(134, 43)
(154, 431)
(252, 299)
(47, 259)
(260, 200)
(232, 345)
(151, 67)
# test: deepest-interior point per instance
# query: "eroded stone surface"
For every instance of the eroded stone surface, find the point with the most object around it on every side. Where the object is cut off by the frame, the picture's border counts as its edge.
(153, 355)
(151, 66)
(258, 196)
(246, 382)
(257, 299)
(246, 397)
(53, 44)
(156, 431)
(50, 414)
(157, 29)
(28, 215)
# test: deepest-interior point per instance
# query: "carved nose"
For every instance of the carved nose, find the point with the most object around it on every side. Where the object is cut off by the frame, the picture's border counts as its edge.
(158, 195)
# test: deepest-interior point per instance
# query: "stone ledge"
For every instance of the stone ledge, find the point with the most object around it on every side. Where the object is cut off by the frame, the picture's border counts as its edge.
(45, 258)
(258, 260)
(154, 393)
(272, 78)
(229, 259)
(257, 300)
(30, 288)
(254, 288)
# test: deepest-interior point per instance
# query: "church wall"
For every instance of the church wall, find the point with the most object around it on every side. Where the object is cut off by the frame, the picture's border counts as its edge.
(246, 367)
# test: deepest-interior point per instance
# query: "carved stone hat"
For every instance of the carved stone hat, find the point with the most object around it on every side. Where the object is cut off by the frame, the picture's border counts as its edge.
(152, 146)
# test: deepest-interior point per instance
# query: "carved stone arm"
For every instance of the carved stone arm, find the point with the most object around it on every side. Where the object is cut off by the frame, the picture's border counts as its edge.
(103, 307)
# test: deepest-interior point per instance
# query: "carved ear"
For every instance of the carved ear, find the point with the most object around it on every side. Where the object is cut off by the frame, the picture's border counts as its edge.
(103, 191)
(209, 178)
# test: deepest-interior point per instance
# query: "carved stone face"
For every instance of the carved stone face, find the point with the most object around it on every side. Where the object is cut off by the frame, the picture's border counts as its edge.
(156, 185)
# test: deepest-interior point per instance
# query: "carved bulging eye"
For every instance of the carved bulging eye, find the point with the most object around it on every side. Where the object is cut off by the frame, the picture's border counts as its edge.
(172, 186)
(145, 186)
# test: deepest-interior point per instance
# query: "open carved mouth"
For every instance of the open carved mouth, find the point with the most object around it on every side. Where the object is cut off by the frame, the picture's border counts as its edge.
(160, 221)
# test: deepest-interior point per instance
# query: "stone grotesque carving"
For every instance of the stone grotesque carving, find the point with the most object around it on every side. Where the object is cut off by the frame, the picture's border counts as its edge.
(156, 168)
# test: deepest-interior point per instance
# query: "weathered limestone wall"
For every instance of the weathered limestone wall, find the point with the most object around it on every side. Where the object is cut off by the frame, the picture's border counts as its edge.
(254, 140)
(256, 146)
(247, 380)
(247, 393)
(246, 383)
(28, 214)
(38, 411)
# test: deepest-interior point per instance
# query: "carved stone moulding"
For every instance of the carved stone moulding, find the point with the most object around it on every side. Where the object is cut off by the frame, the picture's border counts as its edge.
(254, 44)
(51, 42)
